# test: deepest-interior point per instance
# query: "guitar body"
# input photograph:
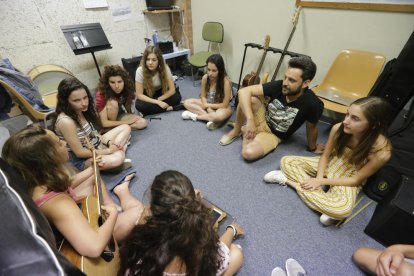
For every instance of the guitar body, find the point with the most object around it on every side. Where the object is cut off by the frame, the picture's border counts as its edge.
(253, 77)
(92, 266)
(250, 79)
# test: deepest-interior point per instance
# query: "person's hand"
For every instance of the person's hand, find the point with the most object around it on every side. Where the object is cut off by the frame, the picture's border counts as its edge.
(319, 149)
(388, 262)
(109, 210)
(131, 120)
(199, 194)
(250, 130)
(311, 184)
(113, 148)
(210, 110)
(239, 229)
(100, 161)
(163, 105)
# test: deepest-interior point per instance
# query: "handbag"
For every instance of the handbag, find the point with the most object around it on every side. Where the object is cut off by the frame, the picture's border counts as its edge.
(382, 183)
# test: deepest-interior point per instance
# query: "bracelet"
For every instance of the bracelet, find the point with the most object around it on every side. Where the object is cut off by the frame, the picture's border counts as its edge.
(107, 143)
(310, 150)
(234, 230)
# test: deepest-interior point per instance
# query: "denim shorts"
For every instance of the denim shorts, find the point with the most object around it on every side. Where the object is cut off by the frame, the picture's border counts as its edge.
(77, 162)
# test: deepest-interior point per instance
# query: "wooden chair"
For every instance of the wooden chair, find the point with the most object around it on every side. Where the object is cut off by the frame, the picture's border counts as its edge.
(27, 108)
(350, 77)
(213, 32)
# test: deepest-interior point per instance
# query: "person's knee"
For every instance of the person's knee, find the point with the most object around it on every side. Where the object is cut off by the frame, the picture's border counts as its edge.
(125, 128)
(250, 154)
(142, 123)
(358, 255)
(405, 269)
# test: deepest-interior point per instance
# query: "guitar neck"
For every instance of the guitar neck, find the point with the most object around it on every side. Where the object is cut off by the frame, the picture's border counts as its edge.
(260, 66)
(97, 182)
(295, 22)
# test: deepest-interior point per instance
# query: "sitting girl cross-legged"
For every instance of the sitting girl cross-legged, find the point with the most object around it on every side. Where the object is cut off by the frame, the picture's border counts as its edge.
(114, 99)
(78, 124)
(213, 105)
(355, 150)
(154, 86)
(177, 237)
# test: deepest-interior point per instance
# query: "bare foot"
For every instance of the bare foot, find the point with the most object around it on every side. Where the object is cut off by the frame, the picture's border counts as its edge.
(124, 184)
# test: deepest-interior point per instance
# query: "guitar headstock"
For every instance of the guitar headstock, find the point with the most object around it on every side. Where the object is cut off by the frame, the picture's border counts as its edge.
(295, 17)
(266, 42)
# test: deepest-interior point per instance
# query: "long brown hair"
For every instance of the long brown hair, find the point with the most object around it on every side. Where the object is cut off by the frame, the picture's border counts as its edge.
(218, 61)
(108, 93)
(65, 88)
(32, 152)
(376, 110)
(148, 87)
(179, 226)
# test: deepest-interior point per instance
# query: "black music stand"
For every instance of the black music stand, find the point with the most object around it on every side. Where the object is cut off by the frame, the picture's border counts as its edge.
(86, 38)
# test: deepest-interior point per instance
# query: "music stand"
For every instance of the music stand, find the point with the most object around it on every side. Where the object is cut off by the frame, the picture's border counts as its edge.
(86, 38)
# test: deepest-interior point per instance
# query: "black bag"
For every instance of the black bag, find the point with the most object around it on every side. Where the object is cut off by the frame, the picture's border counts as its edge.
(393, 219)
(401, 163)
(382, 183)
(131, 65)
(396, 84)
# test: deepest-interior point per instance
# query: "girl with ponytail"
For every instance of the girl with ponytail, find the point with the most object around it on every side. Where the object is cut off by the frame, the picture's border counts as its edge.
(176, 236)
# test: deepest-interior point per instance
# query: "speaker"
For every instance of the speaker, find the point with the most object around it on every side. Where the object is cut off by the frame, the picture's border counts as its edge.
(393, 219)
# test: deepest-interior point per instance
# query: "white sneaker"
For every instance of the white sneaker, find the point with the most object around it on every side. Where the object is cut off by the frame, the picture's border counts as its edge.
(275, 177)
(293, 268)
(277, 271)
(211, 125)
(187, 115)
(327, 220)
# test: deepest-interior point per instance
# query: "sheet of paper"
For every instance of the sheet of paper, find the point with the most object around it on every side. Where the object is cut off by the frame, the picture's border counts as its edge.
(92, 4)
(121, 12)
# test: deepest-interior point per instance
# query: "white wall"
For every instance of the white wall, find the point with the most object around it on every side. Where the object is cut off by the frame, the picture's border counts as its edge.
(30, 34)
(321, 33)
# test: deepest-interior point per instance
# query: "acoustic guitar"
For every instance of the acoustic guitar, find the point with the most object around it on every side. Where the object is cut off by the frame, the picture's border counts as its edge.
(108, 262)
(253, 77)
(295, 20)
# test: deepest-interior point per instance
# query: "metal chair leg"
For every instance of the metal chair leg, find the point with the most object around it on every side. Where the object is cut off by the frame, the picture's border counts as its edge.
(348, 219)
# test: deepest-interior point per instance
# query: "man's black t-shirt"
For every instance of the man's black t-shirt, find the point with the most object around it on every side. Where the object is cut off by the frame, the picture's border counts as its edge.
(285, 118)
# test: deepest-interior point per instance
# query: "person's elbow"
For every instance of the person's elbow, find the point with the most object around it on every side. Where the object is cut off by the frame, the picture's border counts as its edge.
(94, 250)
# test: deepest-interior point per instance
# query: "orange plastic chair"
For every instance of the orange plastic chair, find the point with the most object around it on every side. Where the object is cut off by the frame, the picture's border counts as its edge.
(350, 77)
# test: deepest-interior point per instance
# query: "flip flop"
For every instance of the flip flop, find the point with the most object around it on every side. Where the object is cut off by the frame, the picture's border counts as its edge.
(122, 179)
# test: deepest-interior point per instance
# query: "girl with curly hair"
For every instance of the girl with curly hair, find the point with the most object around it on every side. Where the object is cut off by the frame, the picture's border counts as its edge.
(176, 237)
(154, 86)
(214, 103)
(355, 150)
(79, 125)
(114, 98)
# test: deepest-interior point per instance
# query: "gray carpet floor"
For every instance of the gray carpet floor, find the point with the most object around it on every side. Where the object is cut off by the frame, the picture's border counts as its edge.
(278, 224)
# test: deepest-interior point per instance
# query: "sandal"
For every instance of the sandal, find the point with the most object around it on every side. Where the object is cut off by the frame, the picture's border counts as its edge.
(122, 179)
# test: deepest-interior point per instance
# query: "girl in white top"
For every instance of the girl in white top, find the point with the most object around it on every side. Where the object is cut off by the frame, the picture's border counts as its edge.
(214, 103)
(154, 86)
